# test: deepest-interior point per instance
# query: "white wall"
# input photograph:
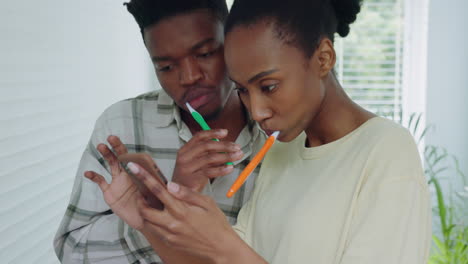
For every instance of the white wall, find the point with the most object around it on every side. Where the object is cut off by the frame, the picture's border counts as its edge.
(61, 64)
(447, 91)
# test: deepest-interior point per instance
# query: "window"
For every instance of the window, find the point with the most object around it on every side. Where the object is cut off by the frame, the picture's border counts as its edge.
(382, 63)
(370, 58)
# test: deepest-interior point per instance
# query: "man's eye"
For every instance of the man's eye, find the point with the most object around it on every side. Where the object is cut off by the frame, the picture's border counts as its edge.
(165, 68)
(206, 54)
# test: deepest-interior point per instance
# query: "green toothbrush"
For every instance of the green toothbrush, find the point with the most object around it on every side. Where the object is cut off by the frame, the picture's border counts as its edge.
(201, 122)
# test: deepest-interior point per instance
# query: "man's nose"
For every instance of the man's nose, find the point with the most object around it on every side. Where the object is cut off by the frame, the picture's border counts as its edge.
(190, 72)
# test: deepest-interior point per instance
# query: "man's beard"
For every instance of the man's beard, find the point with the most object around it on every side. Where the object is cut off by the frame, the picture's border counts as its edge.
(213, 115)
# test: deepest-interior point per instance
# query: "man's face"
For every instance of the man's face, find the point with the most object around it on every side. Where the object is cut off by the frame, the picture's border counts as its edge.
(187, 53)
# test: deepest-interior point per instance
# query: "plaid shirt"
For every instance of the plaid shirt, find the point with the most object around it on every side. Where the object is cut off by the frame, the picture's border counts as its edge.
(90, 232)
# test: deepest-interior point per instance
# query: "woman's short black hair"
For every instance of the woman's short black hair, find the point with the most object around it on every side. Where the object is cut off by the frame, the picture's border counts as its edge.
(297, 22)
(150, 12)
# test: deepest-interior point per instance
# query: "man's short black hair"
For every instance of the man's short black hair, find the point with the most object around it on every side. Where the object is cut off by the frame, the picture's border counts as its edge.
(150, 12)
(297, 22)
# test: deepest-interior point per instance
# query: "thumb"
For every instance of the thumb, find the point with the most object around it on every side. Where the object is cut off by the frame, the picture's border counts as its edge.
(186, 194)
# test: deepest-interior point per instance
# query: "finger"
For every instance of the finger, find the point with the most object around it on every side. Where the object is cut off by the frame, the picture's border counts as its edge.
(202, 136)
(111, 159)
(160, 233)
(154, 216)
(142, 202)
(155, 187)
(194, 173)
(187, 195)
(211, 146)
(149, 198)
(217, 159)
(98, 179)
(117, 145)
(215, 172)
(209, 153)
(210, 134)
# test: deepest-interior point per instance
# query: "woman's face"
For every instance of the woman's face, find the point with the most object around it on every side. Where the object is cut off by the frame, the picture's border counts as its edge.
(280, 87)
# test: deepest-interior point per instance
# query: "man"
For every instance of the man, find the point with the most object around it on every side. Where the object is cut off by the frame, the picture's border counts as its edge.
(185, 42)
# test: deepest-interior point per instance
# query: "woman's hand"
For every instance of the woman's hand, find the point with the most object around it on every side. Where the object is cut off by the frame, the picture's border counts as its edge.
(190, 221)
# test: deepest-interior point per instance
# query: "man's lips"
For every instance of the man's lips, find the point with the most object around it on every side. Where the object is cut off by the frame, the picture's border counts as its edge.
(199, 101)
(197, 91)
(195, 95)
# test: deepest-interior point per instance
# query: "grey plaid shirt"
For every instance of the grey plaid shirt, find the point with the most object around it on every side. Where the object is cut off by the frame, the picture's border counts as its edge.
(90, 232)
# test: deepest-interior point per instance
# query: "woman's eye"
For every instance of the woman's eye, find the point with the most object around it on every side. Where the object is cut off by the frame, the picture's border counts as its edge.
(268, 88)
(241, 90)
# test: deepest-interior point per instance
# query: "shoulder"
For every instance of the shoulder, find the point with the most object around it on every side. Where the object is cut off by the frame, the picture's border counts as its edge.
(389, 139)
(147, 113)
(146, 107)
(124, 107)
(394, 154)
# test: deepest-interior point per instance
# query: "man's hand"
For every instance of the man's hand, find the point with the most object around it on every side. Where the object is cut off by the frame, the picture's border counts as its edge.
(202, 159)
(121, 194)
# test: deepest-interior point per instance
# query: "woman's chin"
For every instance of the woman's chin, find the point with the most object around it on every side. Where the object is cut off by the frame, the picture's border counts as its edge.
(287, 137)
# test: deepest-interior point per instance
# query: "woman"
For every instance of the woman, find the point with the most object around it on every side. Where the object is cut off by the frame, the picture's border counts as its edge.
(347, 187)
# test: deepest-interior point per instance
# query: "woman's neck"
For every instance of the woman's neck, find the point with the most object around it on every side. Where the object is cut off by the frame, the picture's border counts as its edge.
(337, 117)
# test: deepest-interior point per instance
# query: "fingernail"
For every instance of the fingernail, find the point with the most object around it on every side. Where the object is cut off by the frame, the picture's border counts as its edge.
(223, 131)
(173, 187)
(133, 168)
(238, 153)
(236, 147)
(228, 168)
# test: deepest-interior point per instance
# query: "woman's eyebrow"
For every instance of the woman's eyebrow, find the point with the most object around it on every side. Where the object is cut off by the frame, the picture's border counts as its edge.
(261, 74)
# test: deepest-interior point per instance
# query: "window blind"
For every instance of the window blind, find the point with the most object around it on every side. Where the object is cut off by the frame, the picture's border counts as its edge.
(369, 59)
(62, 63)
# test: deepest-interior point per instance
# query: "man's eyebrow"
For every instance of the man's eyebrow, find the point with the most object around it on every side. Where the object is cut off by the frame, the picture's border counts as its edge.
(194, 47)
(158, 59)
(202, 43)
(261, 74)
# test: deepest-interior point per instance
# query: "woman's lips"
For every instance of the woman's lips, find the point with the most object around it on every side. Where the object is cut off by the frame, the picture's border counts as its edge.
(269, 132)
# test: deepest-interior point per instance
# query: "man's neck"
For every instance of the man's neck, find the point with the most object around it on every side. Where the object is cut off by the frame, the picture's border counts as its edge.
(232, 117)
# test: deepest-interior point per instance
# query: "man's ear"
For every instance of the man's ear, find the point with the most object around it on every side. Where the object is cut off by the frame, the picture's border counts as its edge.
(326, 56)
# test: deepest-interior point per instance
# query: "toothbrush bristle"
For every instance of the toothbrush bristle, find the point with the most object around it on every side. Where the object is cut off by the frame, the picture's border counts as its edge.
(190, 108)
(275, 134)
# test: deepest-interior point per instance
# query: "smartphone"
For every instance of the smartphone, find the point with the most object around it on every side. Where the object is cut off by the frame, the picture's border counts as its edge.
(147, 162)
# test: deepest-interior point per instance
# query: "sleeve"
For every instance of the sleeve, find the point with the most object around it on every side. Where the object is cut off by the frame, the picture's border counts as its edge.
(392, 220)
(89, 232)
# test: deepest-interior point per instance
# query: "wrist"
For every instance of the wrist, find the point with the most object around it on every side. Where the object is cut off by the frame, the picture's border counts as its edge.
(232, 250)
(226, 253)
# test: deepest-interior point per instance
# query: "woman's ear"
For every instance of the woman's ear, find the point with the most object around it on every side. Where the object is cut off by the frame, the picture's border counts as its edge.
(326, 56)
